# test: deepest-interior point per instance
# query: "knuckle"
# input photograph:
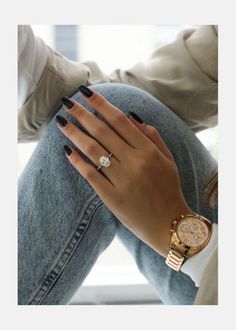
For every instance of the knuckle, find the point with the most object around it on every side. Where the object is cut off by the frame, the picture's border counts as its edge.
(90, 149)
(75, 161)
(89, 174)
(152, 131)
(118, 119)
(151, 151)
(98, 131)
(69, 129)
(143, 162)
(78, 111)
(143, 166)
(99, 100)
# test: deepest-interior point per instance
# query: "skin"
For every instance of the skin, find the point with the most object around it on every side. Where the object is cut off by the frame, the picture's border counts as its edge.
(145, 195)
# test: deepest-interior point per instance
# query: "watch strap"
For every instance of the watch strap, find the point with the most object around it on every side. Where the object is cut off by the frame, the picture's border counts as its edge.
(174, 260)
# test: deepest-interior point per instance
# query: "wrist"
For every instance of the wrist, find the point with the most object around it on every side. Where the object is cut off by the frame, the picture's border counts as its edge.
(161, 242)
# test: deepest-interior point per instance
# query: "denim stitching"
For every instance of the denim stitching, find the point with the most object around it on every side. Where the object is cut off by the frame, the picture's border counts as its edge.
(52, 277)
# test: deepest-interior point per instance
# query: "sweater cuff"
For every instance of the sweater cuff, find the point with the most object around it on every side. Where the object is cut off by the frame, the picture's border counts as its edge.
(196, 265)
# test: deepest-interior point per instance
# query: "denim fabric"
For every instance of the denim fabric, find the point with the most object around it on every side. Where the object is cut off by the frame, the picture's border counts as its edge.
(63, 226)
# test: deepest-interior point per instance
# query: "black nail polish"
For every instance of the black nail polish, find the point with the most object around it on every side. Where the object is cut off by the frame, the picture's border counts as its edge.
(135, 116)
(65, 100)
(61, 120)
(85, 90)
(67, 150)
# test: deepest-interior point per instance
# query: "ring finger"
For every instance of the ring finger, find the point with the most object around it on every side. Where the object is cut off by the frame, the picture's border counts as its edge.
(90, 147)
(104, 134)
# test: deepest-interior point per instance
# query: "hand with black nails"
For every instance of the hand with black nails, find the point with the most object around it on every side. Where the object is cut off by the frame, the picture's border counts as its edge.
(139, 182)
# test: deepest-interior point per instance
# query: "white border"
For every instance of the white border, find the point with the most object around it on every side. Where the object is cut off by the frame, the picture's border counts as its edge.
(119, 12)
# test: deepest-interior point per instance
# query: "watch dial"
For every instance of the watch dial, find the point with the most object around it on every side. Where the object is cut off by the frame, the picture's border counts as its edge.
(192, 231)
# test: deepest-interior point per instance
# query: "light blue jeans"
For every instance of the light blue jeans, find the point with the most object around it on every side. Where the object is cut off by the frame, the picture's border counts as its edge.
(63, 226)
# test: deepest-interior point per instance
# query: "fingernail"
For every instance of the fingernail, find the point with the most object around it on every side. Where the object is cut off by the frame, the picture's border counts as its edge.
(61, 120)
(85, 90)
(67, 150)
(65, 100)
(135, 116)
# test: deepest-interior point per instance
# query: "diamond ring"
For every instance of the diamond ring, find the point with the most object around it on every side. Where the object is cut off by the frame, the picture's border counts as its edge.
(104, 161)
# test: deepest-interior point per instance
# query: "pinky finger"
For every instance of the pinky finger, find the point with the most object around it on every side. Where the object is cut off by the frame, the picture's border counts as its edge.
(152, 133)
(102, 186)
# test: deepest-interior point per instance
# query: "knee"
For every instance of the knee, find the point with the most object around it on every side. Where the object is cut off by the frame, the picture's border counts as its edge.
(125, 91)
(127, 97)
(116, 88)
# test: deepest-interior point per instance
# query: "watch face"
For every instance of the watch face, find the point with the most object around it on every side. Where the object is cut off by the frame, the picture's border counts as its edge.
(192, 231)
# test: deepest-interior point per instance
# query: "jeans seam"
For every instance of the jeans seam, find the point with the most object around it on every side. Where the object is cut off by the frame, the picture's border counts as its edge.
(67, 253)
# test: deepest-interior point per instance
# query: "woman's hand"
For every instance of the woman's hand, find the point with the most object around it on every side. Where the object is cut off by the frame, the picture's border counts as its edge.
(141, 186)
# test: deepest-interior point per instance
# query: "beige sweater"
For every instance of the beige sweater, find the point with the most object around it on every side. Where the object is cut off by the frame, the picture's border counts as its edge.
(183, 75)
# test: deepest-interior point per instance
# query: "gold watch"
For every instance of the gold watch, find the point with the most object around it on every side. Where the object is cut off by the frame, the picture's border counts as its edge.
(190, 234)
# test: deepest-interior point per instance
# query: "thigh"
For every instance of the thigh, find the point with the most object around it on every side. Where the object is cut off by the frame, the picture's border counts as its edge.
(195, 166)
(62, 224)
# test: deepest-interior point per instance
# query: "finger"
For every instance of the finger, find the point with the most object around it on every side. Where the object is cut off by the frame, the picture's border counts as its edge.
(116, 118)
(97, 128)
(90, 147)
(103, 187)
(152, 133)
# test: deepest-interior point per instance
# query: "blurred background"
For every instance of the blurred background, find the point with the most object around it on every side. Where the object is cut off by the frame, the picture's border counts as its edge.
(115, 279)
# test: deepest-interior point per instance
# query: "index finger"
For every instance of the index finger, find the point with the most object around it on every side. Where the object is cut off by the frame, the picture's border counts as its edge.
(116, 118)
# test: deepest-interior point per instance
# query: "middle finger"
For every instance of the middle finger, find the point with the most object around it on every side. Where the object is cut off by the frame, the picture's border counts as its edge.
(90, 147)
(97, 128)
